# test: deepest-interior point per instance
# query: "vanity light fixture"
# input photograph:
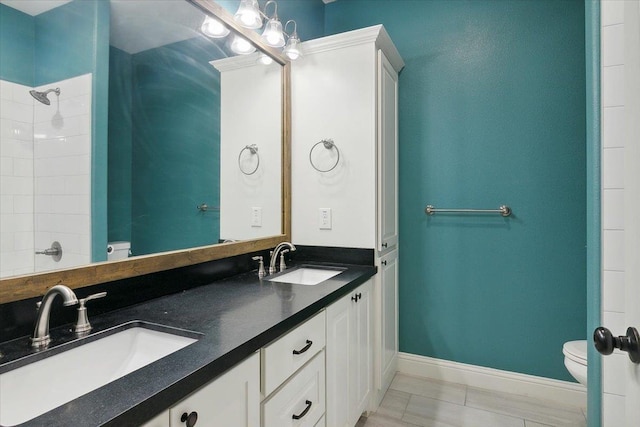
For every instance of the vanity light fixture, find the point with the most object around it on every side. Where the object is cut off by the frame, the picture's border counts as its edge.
(241, 46)
(272, 34)
(292, 49)
(249, 15)
(214, 28)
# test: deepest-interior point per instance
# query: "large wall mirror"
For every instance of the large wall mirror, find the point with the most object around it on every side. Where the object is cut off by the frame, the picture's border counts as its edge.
(133, 142)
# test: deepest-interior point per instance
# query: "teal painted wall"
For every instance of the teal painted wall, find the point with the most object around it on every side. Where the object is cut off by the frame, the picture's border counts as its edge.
(492, 111)
(175, 147)
(120, 145)
(17, 46)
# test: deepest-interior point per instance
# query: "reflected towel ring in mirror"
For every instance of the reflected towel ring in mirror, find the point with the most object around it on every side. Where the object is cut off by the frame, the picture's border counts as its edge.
(328, 144)
(253, 149)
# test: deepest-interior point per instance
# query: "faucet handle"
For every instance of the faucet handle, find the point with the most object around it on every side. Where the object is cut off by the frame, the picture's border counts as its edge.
(261, 272)
(283, 265)
(83, 326)
(90, 297)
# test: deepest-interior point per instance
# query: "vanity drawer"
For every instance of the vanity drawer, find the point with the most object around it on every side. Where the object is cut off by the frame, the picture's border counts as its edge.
(303, 396)
(290, 352)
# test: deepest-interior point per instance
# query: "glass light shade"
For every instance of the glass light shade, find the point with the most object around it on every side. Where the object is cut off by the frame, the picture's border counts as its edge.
(265, 59)
(241, 46)
(248, 14)
(273, 35)
(292, 49)
(213, 28)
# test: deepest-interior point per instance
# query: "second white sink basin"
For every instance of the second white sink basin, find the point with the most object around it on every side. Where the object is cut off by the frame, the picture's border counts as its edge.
(33, 389)
(306, 276)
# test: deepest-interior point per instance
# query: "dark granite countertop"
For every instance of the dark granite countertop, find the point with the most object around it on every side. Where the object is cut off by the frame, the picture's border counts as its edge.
(236, 316)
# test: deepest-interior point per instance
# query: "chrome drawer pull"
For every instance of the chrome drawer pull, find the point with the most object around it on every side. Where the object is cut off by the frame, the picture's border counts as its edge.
(303, 349)
(303, 413)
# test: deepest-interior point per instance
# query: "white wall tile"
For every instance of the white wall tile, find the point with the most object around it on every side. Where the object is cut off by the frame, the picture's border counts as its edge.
(613, 209)
(613, 45)
(615, 322)
(613, 168)
(611, 12)
(23, 204)
(613, 291)
(613, 410)
(613, 86)
(613, 127)
(613, 250)
(615, 373)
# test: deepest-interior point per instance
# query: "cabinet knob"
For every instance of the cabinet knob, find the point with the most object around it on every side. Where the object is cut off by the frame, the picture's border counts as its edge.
(303, 413)
(190, 419)
(354, 298)
(384, 245)
(605, 342)
(384, 263)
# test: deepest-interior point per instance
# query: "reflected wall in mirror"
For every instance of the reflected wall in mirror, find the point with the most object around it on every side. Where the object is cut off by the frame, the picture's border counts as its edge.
(136, 139)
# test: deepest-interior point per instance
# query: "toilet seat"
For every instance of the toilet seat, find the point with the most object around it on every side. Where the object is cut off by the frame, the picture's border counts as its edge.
(576, 351)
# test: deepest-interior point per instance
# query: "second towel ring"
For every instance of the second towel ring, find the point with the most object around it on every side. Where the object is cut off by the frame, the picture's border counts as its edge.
(253, 149)
(328, 144)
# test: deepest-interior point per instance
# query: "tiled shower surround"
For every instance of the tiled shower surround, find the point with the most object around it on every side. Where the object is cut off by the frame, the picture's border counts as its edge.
(45, 176)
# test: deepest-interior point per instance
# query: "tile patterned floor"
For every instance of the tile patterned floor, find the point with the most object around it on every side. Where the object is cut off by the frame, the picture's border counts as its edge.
(412, 401)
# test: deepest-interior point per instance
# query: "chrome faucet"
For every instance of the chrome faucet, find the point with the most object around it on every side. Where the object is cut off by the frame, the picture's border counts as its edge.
(274, 256)
(41, 338)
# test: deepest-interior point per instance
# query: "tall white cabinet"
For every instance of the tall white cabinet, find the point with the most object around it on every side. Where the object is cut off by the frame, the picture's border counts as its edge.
(344, 89)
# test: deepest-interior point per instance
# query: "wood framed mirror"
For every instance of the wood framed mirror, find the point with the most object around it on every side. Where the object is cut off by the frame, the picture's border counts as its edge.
(18, 287)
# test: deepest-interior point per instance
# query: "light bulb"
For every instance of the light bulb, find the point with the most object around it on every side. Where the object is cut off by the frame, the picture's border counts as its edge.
(273, 35)
(265, 59)
(241, 46)
(213, 28)
(248, 14)
(292, 49)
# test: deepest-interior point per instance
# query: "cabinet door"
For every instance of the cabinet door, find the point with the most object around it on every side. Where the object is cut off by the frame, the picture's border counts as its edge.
(361, 320)
(301, 400)
(349, 357)
(388, 317)
(338, 354)
(387, 153)
(230, 400)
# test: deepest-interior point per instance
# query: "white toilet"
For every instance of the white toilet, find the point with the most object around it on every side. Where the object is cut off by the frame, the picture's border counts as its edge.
(575, 359)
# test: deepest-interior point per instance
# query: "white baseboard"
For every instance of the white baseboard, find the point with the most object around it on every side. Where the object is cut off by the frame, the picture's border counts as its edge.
(563, 392)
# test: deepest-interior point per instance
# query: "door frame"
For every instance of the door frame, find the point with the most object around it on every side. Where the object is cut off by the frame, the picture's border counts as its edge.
(594, 206)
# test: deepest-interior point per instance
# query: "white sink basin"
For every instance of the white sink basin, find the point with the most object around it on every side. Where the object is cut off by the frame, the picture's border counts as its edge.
(306, 276)
(38, 387)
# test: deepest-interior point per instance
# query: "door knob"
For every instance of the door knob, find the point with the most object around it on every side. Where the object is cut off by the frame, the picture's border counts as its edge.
(605, 342)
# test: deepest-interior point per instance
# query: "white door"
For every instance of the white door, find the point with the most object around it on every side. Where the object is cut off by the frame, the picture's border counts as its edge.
(632, 198)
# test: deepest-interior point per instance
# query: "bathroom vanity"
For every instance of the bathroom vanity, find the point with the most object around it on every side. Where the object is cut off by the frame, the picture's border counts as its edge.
(248, 329)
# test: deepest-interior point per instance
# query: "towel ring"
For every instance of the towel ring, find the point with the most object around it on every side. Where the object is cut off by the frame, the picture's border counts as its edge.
(253, 149)
(328, 144)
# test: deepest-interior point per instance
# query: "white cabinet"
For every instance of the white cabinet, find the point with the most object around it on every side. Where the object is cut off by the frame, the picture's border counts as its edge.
(349, 379)
(386, 322)
(345, 88)
(387, 154)
(291, 351)
(230, 400)
(301, 401)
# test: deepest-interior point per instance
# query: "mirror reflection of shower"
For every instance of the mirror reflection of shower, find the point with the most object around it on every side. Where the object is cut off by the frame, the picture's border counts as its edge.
(42, 96)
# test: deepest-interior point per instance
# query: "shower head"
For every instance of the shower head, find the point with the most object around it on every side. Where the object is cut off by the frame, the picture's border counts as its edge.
(42, 96)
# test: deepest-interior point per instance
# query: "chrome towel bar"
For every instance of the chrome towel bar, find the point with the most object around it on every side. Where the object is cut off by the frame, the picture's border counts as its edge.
(503, 210)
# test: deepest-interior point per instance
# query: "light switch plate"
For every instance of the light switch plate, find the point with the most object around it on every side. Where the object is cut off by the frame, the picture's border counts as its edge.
(324, 219)
(256, 217)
